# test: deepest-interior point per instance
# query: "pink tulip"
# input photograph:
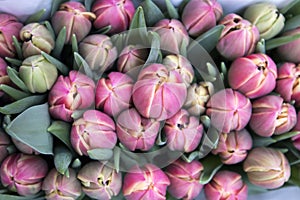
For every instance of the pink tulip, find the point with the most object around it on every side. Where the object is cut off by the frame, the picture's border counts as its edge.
(267, 168)
(185, 179)
(131, 59)
(158, 93)
(58, 186)
(4, 79)
(113, 94)
(71, 93)
(199, 16)
(254, 75)
(100, 181)
(271, 115)
(226, 185)
(236, 27)
(99, 52)
(75, 18)
(183, 132)
(229, 110)
(290, 52)
(197, 97)
(94, 130)
(296, 138)
(4, 143)
(182, 65)
(148, 182)
(172, 35)
(114, 13)
(233, 147)
(288, 82)
(9, 27)
(23, 173)
(135, 131)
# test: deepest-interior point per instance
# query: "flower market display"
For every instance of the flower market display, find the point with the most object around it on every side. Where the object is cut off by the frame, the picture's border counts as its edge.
(138, 100)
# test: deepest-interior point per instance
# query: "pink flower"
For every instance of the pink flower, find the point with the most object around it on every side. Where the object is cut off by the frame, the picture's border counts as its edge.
(148, 182)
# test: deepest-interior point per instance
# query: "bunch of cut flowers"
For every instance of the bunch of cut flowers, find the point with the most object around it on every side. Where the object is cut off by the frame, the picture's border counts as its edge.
(135, 100)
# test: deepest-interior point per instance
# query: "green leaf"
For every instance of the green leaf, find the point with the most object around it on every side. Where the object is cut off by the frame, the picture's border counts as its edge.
(14, 61)
(209, 39)
(36, 17)
(100, 154)
(138, 29)
(55, 5)
(208, 142)
(292, 23)
(117, 154)
(17, 197)
(138, 20)
(285, 136)
(14, 77)
(59, 65)
(22, 104)
(14, 93)
(62, 160)
(259, 141)
(152, 12)
(261, 46)
(211, 165)
(155, 48)
(61, 130)
(76, 163)
(30, 127)
(182, 5)
(50, 29)
(88, 4)
(173, 13)
(60, 42)
(295, 175)
(103, 30)
(74, 43)
(18, 47)
(290, 6)
(83, 66)
(276, 42)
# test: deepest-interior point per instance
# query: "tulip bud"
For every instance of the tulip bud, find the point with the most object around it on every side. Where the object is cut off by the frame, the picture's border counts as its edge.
(197, 97)
(99, 52)
(38, 74)
(271, 115)
(36, 38)
(100, 181)
(69, 94)
(296, 138)
(9, 27)
(58, 186)
(226, 185)
(254, 75)
(116, 13)
(4, 143)
(148, 182)
(75, 18)
(24, 148)
(185, 179)
(23, 173)
(266, 17)
(229, 110)
(183, 132)
(182, 65)
(172, 35)
(267, 168)
(131, 59)
(236, 27)
(284, 51)
(113, 94)
(136, 132)
(233, 147)
(158, 93)
(288, 82)
(4, 79)
(199, 16)
(95, 130)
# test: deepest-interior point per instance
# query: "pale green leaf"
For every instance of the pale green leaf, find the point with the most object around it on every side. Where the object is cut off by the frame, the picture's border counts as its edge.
(14, 77)
(173, 13)
(49, 27)
(55, 5)
(59, 65)
(60, 42)
(36, 17)
(293, 5)
(285, 136)
(30, 127)
(152, 12)
(18, 47)
(62, 160)
(61, 130)
(83, 66)
(211, 165)
(14, 61)
(14, 93)
(100, 154)
(276, 42)
(88, 4)
(22, 104)
(155, 48)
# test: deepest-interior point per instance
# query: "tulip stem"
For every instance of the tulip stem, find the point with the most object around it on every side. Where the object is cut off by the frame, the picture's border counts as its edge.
(295, 162)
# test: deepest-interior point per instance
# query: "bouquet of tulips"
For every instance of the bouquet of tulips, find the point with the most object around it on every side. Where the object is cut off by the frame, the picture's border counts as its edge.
(128, 99)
